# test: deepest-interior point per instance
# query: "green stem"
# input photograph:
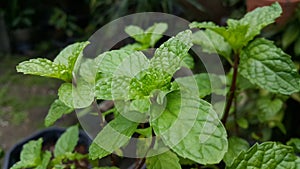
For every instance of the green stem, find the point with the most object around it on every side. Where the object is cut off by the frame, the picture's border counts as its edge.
(232, 88)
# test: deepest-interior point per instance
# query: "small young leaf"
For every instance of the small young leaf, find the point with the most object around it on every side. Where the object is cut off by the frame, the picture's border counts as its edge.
(67, 141)
(264, 64)
(30, 155)
(119, 132)
(156, 32)
(44, 67)
(235, 146)
(243, 123)
(135, 32)
(56, 111)
(266, 155)
(163, 161)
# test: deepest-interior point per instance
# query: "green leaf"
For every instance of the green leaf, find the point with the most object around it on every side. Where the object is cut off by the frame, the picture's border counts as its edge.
(267, 66)
(45, 160)
(235, 146)
(110, 61)
(212, 42)
(269, 109)
(243, 123)
(290, 35)
(190, 127)
(103, 87)
(30, 155)
(79, 95)
(56, 111)
(67, 141)
(44, 67)
(69, 55)
(135, 32)
(163, 161)
(169, 56)
(119, 132)
(148, 37)
(260, 18)
(88, 70)
(156, 32)
(268, 155)
(206, 84)
(295, 143)
(239, 33)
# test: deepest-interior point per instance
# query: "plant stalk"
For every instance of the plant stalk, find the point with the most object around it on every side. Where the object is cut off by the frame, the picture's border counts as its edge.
(232, 88)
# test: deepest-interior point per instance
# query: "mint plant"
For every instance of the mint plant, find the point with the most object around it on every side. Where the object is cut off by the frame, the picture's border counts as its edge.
(32, 155)
(170, 119)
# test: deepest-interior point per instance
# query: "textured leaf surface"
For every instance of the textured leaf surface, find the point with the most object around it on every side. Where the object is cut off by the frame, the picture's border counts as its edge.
(235, 146)
(191, 128)
(267, 66)
(30, 155)
(119, 131)
(67, 141)
(78, 95)
(268, 155)
(206, 84)
(239, 32)
(56, 111)
(163, 161)
(69, 55)
(44, 67)
(212, 42)
(169, 56)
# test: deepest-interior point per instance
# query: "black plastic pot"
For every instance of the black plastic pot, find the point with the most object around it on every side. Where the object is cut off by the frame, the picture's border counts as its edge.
(49, 135)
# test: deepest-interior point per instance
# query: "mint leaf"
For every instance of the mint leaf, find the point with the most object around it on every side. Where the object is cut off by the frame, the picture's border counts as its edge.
(45, 160)
(264, 64)
(155, 32)
(295, 143)
(44, 67)
(136, 33)
(103, 87)
(67, 141)
(169, 56)
(110, 61)
(191, 128)
(30, 155)
(206, 84)
(69, 55)
(266, 155)
(79, 96)
(212, 42)
(239, 33)
(149, 37)
(119, 132)
(163, 161)
(56, 111)
(88, 70)
(269, 109)
(235, 146)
